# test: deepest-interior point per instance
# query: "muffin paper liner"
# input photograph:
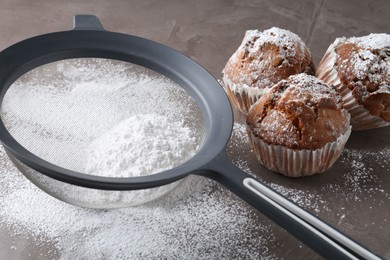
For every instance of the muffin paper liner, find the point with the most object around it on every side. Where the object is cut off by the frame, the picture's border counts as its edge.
(242, 96)
(297, 163)
(361, 119)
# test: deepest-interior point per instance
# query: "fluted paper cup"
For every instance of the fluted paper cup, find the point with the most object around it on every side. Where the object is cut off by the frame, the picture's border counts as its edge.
(297, 163)
(242, 96)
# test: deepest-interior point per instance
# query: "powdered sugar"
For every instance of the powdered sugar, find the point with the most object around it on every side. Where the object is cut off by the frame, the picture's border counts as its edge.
(359, 180)
(194, 221)
(276, 122)
(374, 41)
(56, 110)
(368, 63)
(304, 198)
(302, 98)
(287, 41)
(141, 145)
(262, 58)
(310, 90)
(328, 71)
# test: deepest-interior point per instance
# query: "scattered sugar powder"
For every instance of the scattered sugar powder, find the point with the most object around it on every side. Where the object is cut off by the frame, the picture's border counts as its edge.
(304, 198)
(239, 136)
(192, 222)
(357, 192)
(360, 181)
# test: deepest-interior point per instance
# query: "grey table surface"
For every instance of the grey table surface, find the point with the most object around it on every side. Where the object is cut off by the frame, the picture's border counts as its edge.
(209, 32)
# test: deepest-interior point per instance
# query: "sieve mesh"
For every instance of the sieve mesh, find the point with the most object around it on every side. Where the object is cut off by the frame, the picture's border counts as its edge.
(56, 110)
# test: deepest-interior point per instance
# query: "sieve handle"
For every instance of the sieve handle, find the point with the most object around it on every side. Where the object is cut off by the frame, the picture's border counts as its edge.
(316, 234)
(87, 22)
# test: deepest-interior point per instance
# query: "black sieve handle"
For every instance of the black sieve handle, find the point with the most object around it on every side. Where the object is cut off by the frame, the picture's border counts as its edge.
(316, 234)
(87, 22)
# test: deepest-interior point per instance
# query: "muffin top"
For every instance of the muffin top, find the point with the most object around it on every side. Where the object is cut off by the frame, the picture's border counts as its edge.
(265, 58)
(363, 64)
(301, 112)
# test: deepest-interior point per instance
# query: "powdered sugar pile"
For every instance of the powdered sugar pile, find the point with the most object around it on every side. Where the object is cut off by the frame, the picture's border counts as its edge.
(140, 145)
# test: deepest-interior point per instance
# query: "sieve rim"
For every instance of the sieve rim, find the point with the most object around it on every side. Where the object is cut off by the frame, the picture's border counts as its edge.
(191, 76)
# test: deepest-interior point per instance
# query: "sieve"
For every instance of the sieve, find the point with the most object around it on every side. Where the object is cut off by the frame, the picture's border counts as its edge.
(88, 39)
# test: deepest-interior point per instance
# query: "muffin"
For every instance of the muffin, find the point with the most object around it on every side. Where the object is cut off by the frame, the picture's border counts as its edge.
(359, 67)
(263, 59)
(299, 127)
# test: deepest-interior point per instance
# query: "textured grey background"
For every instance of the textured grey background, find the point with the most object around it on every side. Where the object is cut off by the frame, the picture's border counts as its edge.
(209, 32)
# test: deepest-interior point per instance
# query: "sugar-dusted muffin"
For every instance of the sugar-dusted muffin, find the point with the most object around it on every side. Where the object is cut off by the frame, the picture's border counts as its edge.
(263, 59)
(359, 67)
(299, 127)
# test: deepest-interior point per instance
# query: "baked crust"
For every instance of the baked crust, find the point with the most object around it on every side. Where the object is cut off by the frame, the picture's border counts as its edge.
(263, 59)
(363, 65)
(301, 112)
